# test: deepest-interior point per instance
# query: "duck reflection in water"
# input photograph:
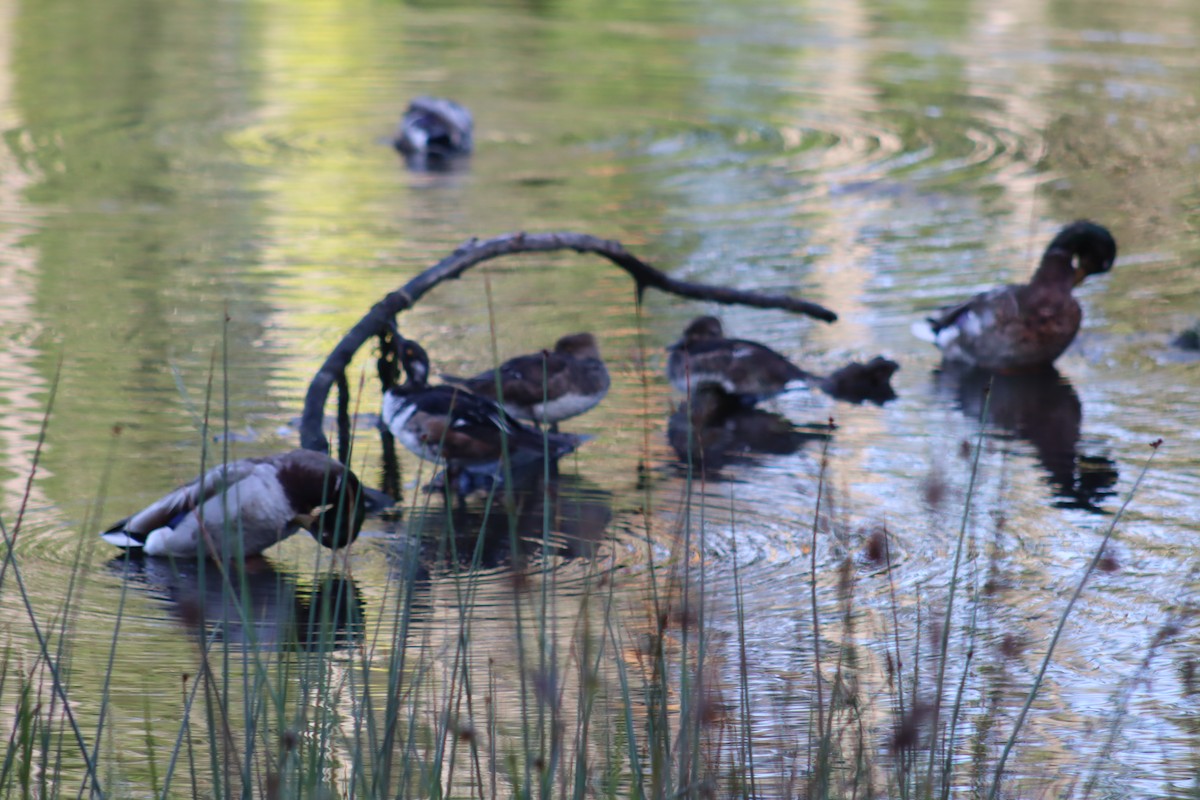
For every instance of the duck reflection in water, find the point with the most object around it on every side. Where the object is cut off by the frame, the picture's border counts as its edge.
(574, 513)
(254, 604)
(1042, 408)
(713, 428)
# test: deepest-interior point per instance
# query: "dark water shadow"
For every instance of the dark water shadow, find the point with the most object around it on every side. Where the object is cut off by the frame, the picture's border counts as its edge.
(1043, 409)
(256, 606)
(712, 429)
(555, 514)
(435, 164)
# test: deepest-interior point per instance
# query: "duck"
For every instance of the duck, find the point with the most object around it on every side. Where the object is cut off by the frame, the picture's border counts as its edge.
(447, 424)
(743, 369)
(1025, 326)
(751, 372)
(549, 386)
(241, 508)
(435, 127)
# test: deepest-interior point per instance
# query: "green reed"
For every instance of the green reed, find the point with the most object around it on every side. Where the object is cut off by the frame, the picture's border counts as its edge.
(620, 700)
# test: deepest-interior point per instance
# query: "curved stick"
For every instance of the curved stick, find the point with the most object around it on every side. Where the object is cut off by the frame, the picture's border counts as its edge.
(473, 252)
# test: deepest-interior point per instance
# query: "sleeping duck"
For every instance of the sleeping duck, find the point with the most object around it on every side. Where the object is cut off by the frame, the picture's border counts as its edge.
(549, 386)
(1025, 326)
(434, 127)
(744, 369)
(450, 425)
(751, 372)
(242, 508)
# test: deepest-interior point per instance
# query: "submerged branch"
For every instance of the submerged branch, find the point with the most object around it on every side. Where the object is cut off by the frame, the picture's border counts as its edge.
(474, 252)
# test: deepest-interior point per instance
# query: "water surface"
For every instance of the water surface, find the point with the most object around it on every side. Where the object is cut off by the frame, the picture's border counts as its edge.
(198, 199)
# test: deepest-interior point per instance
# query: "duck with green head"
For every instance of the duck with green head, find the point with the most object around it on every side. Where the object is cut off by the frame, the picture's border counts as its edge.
(241, 508)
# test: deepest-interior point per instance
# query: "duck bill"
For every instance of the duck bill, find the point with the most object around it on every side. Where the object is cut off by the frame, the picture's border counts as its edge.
(306, 521)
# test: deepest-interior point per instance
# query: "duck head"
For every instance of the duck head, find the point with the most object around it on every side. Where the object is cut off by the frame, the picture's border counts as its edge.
(1091, 245)
(415, 362)
(339, 522)
(578, 345)
(700, 329)
(334, 499)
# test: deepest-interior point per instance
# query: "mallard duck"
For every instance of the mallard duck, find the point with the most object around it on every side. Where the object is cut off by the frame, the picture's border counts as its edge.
(549, 386)
(744, 369)
(434, 126)
(241, 508)
(450, 425)
(1025, 326)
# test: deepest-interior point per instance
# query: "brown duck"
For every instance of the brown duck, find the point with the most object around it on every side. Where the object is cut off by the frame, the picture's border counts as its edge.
(549, 386)
(751, 372)
(1025, 326)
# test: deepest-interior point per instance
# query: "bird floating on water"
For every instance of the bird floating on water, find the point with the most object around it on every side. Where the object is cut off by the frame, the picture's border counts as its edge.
(752, 372)
(741, 368)
(1025, 326)
(434, 128)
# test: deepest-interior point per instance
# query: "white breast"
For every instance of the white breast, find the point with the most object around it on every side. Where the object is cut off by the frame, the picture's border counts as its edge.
(569, 405)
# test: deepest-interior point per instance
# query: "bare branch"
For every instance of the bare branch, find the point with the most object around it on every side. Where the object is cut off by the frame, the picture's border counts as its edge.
(473, 252)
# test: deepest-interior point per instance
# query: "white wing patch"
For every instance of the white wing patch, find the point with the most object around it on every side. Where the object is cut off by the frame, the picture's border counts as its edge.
(923, 330)
(121, 539)
(970, 323)
(565, 407)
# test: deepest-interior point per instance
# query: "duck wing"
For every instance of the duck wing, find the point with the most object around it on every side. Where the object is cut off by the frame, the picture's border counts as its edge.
(463, 409)
(771, 365)
(1003, 301)
(473, 428)
(526, 380)
(168, 510)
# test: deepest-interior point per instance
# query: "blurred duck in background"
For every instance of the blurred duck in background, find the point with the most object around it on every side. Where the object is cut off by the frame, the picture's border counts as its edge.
(433, 132)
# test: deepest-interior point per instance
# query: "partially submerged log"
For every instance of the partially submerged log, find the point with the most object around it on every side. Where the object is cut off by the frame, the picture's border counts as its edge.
(380, 320)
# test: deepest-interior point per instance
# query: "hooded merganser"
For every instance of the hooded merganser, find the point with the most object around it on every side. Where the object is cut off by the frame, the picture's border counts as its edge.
(744, 369)
(450, 425)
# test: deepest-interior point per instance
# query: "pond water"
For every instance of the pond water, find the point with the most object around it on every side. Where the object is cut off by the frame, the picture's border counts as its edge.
(198, 199)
